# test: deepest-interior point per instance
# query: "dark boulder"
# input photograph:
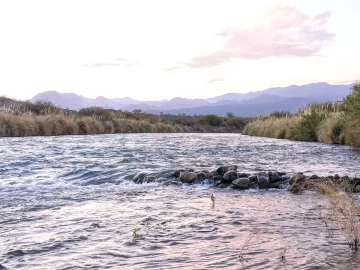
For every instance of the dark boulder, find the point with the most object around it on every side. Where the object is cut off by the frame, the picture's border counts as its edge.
(241, 183)
(243, 175)
(229, 176)
(188, 177)
(223, 169)
(201, 176)
(217, 177)
(224, 185)
(275, 177)
(263, 180)
(275, 185)
(253, 178)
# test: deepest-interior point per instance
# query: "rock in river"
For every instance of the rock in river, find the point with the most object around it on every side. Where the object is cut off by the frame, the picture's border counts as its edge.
(188, 177)
(263, 180)
(139, 178)
(229, 176)
(275, 177)
(223, 169)
(296, 178)
(242, 183)
(201, 176)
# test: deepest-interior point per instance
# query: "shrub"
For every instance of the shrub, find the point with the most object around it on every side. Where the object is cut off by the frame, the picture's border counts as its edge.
(332, 129)
(212, 120)
(306, 130)
(352, 110)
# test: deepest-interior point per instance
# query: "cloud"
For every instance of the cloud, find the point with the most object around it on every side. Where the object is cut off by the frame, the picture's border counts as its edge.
(286, 32)
(322, 19)
(117, 62)
(215, 80)
(173, 68)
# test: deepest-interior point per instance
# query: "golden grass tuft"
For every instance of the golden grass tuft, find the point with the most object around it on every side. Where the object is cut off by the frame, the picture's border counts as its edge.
(343, 211)
(332, 129)
(273, 127)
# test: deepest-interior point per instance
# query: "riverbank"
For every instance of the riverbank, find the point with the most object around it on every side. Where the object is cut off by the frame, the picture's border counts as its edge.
(337, 123)
(19, 119)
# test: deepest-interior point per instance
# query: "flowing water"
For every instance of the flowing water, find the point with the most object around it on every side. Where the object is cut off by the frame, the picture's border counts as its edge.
(60, 208)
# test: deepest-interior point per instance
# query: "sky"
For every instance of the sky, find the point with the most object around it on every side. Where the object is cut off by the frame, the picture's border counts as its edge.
(160, 49)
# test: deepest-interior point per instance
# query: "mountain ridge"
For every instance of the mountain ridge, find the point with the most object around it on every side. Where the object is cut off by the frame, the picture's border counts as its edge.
(288, 98)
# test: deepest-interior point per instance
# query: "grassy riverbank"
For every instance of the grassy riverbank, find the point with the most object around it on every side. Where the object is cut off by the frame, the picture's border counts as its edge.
(332, 123)
(19, 119)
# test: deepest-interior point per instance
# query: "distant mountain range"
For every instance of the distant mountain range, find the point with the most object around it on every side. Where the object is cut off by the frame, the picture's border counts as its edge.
(251, 104)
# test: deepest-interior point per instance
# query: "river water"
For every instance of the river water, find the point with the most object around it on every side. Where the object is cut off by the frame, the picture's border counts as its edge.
(60, 208)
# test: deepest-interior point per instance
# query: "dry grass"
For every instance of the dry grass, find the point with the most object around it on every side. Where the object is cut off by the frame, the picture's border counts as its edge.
(316, 122)
(19, 125)
(273, 127)
(332, 129)
(343, 211)
(250, 241)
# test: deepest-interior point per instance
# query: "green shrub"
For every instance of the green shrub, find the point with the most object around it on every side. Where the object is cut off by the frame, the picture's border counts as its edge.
(306, 130)
(212, 120)
(352, 110)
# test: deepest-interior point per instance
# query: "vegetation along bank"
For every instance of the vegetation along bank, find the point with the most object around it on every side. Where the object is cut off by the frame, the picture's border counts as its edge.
(332, 123)
(19, 119)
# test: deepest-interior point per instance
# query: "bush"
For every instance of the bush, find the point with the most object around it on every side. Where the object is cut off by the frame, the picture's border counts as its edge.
(280, 114)
(306, 130)
(212, 120)
(352, 111)
(332, 129)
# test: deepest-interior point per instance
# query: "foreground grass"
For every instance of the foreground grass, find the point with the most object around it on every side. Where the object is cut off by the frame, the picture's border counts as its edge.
(19, 119)
(332, 123)
(342, 212)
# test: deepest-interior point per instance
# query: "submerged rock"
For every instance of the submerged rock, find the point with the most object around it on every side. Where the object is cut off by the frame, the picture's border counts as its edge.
(241, 183)
(275, 185)
(217, 177)
(224, 185)
(176, 173)
(149, 179)
(188, 177)
(139, 178)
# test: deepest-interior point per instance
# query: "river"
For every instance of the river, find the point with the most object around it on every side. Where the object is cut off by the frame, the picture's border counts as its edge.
(60, 208)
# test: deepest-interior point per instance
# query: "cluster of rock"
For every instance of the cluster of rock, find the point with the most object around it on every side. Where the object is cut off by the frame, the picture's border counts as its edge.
(229, 177)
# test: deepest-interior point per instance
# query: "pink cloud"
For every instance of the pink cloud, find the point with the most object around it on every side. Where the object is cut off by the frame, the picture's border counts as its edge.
(287, 32)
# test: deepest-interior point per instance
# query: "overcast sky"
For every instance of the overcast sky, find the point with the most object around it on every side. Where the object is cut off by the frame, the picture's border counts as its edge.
(154, 49)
